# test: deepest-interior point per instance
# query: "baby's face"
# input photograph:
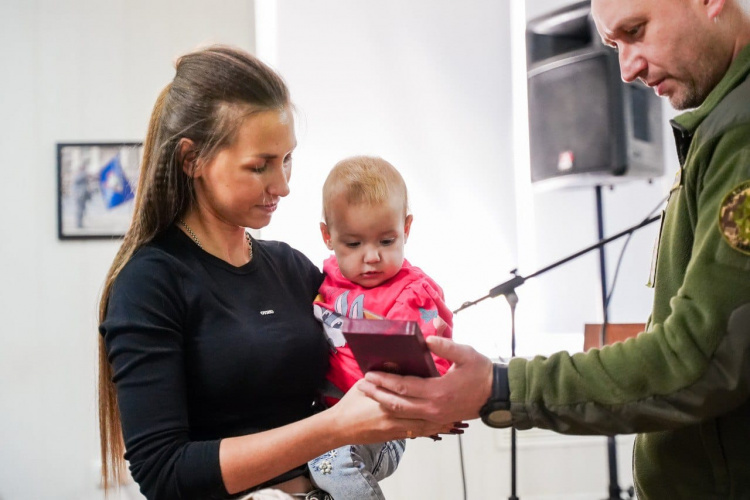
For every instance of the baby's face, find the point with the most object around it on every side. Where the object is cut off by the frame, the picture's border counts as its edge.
(368, 240)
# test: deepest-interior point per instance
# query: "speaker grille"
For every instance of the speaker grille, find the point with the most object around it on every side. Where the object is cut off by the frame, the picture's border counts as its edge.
(571, 126)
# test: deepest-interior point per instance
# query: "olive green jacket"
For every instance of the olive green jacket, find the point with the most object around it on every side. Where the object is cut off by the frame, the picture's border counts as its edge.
(684, 383)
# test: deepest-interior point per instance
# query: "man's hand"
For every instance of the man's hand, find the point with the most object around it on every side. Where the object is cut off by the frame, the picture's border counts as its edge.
(458, 395)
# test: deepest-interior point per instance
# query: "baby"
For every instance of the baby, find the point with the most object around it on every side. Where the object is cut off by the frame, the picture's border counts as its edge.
(366, 223)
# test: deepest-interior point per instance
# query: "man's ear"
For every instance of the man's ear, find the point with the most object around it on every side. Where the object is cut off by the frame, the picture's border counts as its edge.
(186, 155)
(714, 8)
(326, 235)
(407, 226)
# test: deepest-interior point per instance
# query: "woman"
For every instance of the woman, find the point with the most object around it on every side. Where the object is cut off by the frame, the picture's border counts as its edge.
(210, 356)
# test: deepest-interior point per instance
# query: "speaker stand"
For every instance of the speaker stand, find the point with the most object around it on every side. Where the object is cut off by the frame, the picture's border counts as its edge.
(615, 492)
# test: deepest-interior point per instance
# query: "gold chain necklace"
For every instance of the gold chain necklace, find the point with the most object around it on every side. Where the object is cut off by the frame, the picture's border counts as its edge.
(198, 242)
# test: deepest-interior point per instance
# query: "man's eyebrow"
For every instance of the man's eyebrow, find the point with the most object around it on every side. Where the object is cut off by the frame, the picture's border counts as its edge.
(608, 36)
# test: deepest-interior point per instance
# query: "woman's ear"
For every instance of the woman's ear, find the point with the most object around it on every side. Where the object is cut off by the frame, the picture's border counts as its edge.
(186, 155)
(326, 235)
(407, 226)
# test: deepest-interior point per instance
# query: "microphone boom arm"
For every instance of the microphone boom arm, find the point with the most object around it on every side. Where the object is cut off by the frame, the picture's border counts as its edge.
(517, 280)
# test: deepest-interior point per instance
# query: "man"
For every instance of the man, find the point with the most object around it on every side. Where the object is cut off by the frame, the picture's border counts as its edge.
(684, 384)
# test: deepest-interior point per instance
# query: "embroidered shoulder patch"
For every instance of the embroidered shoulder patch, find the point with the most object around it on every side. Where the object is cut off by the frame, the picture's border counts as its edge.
(734, 218)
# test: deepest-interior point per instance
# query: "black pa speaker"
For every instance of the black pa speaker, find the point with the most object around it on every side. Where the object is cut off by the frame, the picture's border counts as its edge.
(586, 126)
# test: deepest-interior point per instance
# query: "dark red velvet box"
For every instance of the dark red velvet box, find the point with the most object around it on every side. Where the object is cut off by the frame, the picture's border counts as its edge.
(389, 346)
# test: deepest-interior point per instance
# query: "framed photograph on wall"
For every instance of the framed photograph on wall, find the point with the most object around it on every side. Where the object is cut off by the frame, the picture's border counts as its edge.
(96, 188)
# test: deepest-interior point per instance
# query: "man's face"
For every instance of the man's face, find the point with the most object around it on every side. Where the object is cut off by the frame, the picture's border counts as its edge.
(670, 45)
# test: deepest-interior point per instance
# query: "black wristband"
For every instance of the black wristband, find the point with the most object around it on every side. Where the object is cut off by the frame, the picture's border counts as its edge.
(500, 384)
(499, 400)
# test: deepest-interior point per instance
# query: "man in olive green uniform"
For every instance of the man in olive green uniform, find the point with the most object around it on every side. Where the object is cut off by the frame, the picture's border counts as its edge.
(684, 384)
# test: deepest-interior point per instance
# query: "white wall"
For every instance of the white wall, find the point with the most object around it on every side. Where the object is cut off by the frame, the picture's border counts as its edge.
(80, 70)
(424, 84)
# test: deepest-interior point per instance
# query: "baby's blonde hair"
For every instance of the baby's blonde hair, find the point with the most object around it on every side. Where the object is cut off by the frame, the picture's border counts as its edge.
(363, 179)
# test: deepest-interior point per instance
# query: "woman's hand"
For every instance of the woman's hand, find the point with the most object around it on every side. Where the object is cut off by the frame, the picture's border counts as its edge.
(363, 420)
(411, 407)
(456, 396)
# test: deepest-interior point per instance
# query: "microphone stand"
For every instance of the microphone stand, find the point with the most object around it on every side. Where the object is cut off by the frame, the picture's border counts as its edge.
(508, 289)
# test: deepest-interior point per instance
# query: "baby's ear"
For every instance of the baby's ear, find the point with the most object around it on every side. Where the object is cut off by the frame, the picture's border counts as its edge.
(326, 235)
(407, 226)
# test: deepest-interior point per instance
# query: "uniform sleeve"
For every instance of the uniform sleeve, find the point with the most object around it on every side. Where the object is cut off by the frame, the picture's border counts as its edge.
(692, 366)
(143, 336)
(424, 303)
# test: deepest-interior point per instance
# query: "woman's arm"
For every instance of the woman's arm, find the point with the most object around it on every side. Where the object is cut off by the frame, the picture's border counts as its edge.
(250, 460)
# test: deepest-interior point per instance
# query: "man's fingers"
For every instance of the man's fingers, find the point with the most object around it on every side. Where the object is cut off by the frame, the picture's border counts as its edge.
(391, 402)
(386, 381)
(413, 387)
(369, 388)
(447, 349)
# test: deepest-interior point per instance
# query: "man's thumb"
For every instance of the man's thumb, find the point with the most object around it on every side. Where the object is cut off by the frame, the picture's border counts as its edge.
(447, 349)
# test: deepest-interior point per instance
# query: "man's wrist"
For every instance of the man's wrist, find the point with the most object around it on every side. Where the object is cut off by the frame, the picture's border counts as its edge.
(496, 411)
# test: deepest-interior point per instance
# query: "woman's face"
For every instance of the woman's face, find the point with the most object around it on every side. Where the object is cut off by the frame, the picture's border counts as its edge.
(243, 184)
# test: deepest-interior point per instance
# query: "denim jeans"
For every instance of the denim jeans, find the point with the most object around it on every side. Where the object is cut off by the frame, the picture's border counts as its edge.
(353, 471)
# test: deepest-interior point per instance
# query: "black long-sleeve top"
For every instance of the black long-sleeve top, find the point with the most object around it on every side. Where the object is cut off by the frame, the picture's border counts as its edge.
(203, 350)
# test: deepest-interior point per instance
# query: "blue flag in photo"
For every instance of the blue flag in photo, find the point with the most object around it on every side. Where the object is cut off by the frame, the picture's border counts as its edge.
(114, 185)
